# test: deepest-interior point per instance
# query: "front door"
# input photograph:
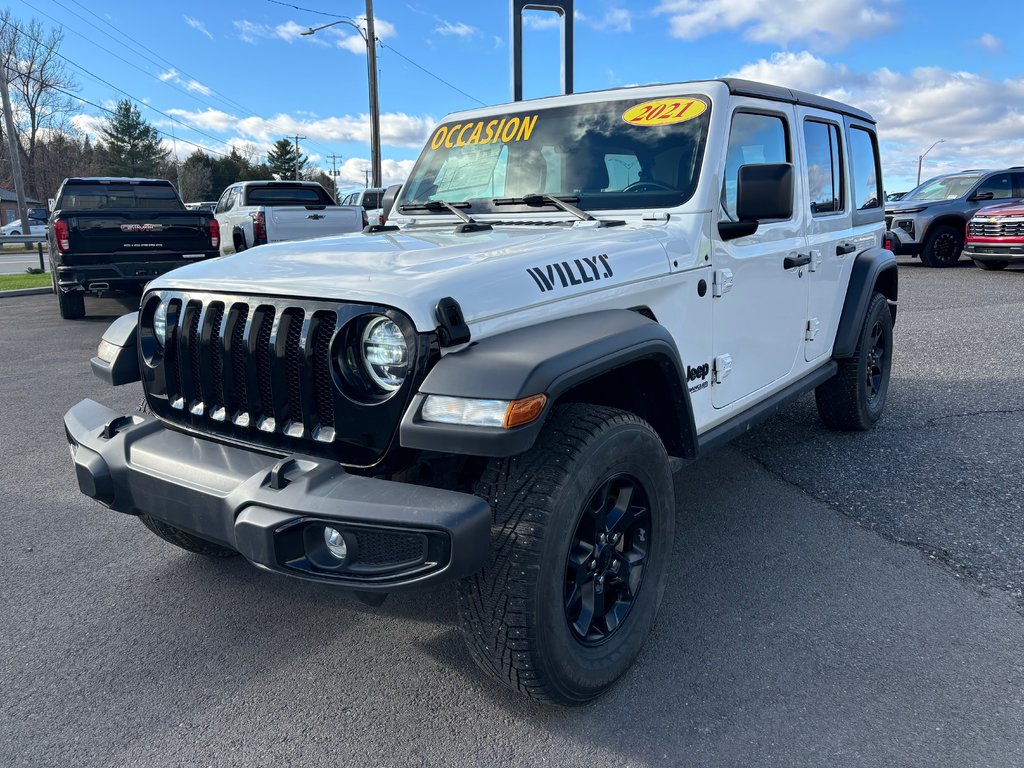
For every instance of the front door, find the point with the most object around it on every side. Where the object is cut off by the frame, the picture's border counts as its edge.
(760, 305)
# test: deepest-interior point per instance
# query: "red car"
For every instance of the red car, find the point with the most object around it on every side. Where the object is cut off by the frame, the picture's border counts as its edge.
(995, 236)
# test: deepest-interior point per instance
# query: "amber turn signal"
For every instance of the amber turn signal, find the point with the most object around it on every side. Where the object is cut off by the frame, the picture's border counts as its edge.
(524, 411)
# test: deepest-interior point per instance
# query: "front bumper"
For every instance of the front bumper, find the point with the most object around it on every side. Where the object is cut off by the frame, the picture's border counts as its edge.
(986, 251)
(273, 509)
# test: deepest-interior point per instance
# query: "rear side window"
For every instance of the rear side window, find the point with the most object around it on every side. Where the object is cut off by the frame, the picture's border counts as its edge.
(867, 175)
(371, 200)
(122, 197)
(824, 167)
(755, 139)
(287, 196)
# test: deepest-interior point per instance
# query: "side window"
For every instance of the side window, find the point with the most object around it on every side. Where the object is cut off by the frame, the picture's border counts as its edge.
(867, 175)
(754, 139)
(224, 204)
(824, 168)
(999, 184)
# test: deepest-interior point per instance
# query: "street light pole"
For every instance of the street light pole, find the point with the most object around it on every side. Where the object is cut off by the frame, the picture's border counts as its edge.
(920, 159)
(371, 70)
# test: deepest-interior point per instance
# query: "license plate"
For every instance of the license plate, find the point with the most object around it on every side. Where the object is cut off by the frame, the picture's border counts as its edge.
(192, 255)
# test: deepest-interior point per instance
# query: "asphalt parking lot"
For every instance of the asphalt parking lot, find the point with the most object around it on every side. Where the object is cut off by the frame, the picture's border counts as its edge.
(839, 599)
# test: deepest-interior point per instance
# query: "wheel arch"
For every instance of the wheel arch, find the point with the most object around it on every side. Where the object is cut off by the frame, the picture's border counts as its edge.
(874, 269)
(955, 220)
(616, 358)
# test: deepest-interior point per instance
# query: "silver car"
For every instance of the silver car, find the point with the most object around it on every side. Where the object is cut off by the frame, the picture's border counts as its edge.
(931, 220)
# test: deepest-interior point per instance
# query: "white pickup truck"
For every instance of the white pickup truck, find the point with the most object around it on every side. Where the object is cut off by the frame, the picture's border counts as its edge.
(252, 213)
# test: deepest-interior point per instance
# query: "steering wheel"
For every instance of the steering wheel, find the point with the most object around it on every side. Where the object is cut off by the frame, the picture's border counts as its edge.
(647, 186)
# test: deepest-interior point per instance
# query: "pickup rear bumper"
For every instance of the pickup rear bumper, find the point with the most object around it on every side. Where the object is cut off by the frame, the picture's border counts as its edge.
(274, 510)
(117, 276)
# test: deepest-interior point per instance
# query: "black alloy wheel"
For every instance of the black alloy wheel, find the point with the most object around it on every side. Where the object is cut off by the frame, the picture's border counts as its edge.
(943, 247)
(876, 362)
(604, 570)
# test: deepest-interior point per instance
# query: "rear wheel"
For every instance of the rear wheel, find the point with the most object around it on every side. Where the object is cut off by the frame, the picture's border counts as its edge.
(580, 543)
(71, 304)
(854, 398)
(943, 246)
(990, 266)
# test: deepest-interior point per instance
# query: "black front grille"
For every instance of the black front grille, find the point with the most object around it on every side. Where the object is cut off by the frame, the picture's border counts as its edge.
(983, 228)
(260, 370)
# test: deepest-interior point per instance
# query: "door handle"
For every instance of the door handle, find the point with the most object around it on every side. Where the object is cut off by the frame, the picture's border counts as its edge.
(845, 248)
(796, 261)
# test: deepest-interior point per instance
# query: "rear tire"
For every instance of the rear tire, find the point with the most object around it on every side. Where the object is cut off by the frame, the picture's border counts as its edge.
(580, 545)
(990, 266)
(853, 399)
(186, 541)
(943, 246)
(71, 304)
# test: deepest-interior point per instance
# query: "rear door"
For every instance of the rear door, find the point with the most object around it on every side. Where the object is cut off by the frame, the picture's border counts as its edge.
(831, 245)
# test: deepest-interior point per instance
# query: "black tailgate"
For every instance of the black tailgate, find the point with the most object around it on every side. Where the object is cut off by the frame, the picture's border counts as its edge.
(137, 236)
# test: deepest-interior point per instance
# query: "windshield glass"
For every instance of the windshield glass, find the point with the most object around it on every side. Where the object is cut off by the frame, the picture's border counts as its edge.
(609, 155)
(944, 188)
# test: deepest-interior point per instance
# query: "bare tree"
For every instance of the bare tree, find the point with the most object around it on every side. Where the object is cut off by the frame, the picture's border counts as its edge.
(40, 84)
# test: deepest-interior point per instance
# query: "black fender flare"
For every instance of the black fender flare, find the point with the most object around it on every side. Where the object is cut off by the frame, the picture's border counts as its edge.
(550, 358)
(872, 268)
(238, 235)
(117, 359)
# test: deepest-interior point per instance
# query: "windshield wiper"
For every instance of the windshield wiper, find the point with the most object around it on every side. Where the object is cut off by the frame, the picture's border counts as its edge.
(469, 224)
(559, 202)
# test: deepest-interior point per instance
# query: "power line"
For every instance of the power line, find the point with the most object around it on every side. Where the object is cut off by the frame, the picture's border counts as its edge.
(383, 45)
(119, 90)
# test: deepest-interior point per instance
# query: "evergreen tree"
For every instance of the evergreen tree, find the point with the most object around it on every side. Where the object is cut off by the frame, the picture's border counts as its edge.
(132, 145)
(281, 160)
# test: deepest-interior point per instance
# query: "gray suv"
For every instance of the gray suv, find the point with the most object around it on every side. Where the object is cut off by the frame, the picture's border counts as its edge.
(931, 220)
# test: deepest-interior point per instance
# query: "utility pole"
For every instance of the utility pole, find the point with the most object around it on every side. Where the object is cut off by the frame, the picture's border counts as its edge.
(14, 148)
(297, 154)
(371, 63)
(366, 177)
(920, 159)
(335, 159)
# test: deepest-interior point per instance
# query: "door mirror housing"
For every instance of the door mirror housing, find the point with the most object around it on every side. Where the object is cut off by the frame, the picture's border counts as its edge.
(387, 201)
(982, 196)
(763, 192)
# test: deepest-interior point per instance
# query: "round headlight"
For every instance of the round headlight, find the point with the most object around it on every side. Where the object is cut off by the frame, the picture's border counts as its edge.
(160, 323)
(385, 354)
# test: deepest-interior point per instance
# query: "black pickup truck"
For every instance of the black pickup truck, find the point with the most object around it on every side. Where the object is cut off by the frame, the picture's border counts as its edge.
(111, 235)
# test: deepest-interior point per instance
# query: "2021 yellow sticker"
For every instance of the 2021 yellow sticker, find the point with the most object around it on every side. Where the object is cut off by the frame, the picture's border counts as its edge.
(665, 111)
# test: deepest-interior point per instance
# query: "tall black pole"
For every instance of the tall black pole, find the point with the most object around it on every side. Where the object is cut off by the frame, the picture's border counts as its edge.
(371, 64)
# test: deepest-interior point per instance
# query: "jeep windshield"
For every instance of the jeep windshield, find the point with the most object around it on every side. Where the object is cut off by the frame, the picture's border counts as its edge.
(943, 188)
(610, 155)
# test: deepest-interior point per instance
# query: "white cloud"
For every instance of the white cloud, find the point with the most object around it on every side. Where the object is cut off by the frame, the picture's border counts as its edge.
(172, 76)
(352, 172)
(981, 119)
(819, 24)
(397, 129)
(613, 20)
(289, 31)
(199, 26)
(354, 43)
(991, 43)
(540, 20)
(458, 29)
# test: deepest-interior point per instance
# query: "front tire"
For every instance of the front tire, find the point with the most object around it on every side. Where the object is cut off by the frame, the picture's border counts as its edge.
(990, 266)
(853, 399)
(580, 544)
(943, 246)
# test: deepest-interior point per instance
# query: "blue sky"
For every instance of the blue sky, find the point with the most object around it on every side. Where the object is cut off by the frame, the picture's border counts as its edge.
(240, 74)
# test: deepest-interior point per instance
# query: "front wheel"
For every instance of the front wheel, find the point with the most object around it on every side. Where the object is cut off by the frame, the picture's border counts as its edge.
(854, 398)
(580, 544)
(943, 246)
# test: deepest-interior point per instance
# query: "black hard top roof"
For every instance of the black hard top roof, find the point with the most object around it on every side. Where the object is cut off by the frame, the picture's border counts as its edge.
(757, 90)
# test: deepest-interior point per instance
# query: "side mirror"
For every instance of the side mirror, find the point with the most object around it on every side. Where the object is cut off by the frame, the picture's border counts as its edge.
(763, 191)
(982, 196)
(387, 202)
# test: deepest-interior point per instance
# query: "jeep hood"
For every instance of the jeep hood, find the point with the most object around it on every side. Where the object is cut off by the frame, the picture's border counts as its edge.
(487, 272)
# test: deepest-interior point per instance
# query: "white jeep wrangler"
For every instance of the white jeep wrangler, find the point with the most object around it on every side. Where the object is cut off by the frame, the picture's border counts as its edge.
(573, 296)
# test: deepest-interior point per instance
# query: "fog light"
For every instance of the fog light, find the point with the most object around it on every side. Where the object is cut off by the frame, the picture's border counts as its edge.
(335, 543)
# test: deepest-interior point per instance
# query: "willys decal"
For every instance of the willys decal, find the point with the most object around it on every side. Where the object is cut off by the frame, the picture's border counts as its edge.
(588, 269)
